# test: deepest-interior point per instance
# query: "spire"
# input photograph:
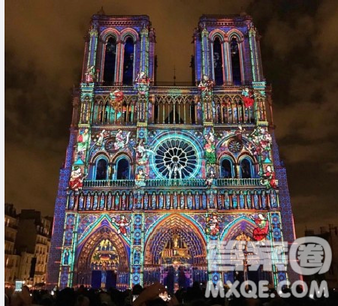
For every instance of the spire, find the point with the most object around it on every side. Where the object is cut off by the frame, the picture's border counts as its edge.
(243, 12)
(174, 76)
(101, 11)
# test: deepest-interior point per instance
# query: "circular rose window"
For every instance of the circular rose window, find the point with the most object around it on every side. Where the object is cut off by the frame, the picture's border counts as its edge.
(235, 146)
(175, 159)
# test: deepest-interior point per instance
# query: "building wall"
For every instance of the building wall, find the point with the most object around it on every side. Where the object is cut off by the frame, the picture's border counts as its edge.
(25, 267)
(139, 208)
(27, 236)
(11, 259)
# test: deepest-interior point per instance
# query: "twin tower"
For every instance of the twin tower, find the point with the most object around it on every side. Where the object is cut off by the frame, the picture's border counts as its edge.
(155, 174)
(118, 48)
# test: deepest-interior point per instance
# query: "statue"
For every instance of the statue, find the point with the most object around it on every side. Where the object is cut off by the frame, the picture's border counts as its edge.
(122, 224)
(261, 231)
(90, 74)
(168, 201)
(262, 140)
(209, 147)
(189, 200)
(210, 178)
(76, 179)
(142, 153)
(99, 141)
(269, 178)
(175, 200)
(153, 201)
(177, 168)
(175, 241)
(182, 200)
(273, 200)
(161, 201)
(102, 202)
(109, 200)
(234, 201)
(116, 97)
(121, 140)
(66, 258)
(239, 133)
(140, 178)
(95, 201)
(82, 140)
(145, 201)
(248, 200)
(256, 201)
(212, 225)
(226, 201)
(124, 198)
(142, 83)
(81, 200)
(241, 201)
(206, 85)
(197, 200)
(248, 97)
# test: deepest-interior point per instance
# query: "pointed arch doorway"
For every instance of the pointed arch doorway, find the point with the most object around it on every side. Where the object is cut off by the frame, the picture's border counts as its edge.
(175, 253)
(102, 260)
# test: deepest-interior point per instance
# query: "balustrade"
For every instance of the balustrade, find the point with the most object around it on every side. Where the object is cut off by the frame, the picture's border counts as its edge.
(175, 109)
(161, 183)
(107, 111)
(168, 108)
(230, 109)
(108, 183)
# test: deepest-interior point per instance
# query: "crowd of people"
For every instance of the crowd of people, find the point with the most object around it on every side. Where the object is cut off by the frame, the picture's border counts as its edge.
(154, 295)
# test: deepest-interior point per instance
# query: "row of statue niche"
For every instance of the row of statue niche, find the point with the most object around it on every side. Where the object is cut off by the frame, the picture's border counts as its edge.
(121, 202)
(193, 201)
(165, 201)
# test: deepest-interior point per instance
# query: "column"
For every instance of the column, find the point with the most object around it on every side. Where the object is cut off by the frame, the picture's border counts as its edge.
(137, 249)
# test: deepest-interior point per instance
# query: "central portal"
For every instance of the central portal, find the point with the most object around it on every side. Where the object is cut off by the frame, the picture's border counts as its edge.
(176, 264)
(175, 254)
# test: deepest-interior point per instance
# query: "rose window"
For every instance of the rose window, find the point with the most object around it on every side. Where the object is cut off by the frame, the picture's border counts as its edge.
(175, 159)
(235, 146)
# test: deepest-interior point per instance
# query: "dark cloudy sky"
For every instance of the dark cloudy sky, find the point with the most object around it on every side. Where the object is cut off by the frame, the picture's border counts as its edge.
(44, 48)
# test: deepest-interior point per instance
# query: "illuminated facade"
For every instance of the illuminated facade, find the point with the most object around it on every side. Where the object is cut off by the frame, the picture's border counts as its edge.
(152, 173)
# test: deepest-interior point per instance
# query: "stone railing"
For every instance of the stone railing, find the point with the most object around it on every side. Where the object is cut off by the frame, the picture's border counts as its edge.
(162, 183)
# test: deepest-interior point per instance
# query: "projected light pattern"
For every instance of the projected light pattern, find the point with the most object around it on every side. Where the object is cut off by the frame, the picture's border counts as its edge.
(140, 198)
(176, 159)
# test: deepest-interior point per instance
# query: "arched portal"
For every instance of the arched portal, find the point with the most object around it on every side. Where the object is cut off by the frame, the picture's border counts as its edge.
(175, 253)
(101, 258)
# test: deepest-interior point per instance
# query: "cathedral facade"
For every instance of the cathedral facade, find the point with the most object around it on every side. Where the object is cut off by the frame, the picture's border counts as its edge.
(154, 173)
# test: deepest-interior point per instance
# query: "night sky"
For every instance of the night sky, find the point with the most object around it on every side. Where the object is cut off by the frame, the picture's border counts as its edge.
(44, 51)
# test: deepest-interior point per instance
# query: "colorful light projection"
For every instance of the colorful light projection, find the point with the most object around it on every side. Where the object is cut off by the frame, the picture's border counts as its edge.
(154, 173)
